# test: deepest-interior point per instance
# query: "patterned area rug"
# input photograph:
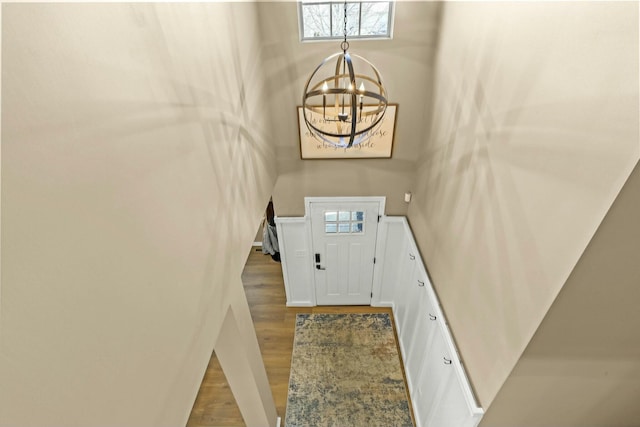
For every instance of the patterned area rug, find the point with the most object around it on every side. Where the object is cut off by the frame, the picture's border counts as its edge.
(345, 371)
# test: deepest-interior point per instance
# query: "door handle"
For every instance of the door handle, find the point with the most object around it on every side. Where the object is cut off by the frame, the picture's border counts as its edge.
(318, 267)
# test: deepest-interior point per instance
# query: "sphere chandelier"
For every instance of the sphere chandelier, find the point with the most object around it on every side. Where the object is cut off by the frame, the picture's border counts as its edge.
(343, 108)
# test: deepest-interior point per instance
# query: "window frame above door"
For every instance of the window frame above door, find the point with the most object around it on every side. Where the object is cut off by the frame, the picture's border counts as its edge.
(339, 35)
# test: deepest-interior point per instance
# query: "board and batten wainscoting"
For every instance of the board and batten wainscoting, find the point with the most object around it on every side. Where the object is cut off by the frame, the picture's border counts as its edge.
(439, 388)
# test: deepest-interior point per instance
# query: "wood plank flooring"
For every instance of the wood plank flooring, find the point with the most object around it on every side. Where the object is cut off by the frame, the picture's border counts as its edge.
(275, 326)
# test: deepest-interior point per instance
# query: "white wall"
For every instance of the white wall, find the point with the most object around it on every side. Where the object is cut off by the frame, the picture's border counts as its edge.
(534, 132)
(392, 232)
(297, 260)
(136, 166)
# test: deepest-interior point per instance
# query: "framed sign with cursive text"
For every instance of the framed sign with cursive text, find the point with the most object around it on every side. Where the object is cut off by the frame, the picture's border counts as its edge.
(380, 145)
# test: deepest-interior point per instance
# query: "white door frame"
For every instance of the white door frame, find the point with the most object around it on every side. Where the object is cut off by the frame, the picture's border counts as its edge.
(381, 200)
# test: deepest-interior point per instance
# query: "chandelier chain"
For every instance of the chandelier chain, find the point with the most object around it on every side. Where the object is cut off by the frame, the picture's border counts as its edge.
(345, 21)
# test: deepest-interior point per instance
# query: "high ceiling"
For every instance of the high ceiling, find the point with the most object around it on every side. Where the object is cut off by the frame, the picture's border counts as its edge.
(406, 63)
(407, 66)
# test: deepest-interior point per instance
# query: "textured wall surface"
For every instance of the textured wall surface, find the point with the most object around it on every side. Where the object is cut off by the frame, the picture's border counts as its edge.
(582, 366)
(136, 166)
(533, 135)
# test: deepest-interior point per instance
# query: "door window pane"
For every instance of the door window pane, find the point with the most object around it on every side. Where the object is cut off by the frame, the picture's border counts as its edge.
(344, 222)
(330, 216)
(357, 216)
(344, 216)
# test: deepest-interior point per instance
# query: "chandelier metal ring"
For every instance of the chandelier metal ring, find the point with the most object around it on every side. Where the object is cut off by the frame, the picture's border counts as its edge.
(343, 108)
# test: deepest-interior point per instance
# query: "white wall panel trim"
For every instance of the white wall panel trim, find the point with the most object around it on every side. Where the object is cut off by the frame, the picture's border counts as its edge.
(296, 261)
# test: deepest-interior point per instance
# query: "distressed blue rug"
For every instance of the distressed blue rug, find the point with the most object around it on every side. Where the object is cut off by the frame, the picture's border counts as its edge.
(345, 371)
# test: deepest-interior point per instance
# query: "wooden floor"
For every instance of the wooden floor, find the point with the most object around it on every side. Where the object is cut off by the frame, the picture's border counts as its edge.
(275, 326)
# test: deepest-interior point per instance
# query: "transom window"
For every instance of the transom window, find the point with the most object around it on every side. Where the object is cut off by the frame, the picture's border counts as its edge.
(324, 20)
(344, 222)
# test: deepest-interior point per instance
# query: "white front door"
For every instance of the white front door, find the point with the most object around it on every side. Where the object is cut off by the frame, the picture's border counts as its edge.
(344, 246)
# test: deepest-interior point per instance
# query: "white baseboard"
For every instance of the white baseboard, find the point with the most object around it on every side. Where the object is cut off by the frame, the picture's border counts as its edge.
(382, 304)
(301, 304)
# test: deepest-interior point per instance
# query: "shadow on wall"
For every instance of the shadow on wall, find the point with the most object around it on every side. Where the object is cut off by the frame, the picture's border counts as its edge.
(132, 187)
(527, 150)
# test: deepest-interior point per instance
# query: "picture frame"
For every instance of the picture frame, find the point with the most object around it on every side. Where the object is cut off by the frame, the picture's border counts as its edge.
(380, 146)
